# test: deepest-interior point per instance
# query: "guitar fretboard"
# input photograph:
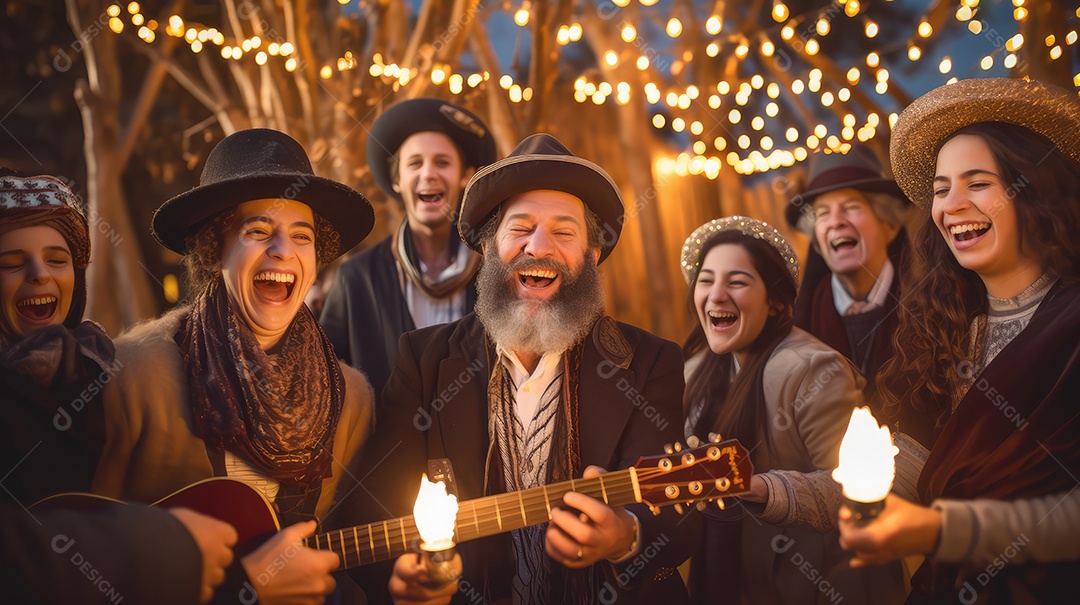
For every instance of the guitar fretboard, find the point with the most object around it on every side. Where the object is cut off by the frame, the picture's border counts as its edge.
(479, 518)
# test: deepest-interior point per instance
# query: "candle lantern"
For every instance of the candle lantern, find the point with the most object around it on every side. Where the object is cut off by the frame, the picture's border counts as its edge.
(435, 512)
(867, 465)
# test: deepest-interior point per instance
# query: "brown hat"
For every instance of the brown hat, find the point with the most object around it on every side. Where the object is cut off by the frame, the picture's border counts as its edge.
(256, 164)
(540, 162)
(859, 169)
(1048, 110)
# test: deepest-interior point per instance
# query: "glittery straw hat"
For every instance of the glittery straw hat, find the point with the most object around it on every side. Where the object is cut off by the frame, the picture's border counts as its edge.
(691, 252)
(1048, 110)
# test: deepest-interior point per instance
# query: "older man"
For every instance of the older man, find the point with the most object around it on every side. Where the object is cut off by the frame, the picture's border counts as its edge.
(533, 388)
(422, 152)
(855, 218)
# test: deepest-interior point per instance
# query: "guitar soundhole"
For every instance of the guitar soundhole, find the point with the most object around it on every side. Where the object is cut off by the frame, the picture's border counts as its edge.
(713, 453)
(695, 487)
(664, 464)
(671, 492)
(688, 459)
(723, 484)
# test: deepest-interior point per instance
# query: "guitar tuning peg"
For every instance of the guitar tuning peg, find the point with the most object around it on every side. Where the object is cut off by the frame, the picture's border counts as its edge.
(655, 510)
(716, 437)
(692, 441)
(678, 446)
(679, 508)
(668, 449)
(720, 503)
(701, 505)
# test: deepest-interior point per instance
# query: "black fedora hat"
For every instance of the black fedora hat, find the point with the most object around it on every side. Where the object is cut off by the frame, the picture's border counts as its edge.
(540, 162)
(859, 168)
(256, 164)
(409, 117)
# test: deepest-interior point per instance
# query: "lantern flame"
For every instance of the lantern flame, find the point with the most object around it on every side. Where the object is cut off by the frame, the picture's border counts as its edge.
(867, 465)
(435, 512)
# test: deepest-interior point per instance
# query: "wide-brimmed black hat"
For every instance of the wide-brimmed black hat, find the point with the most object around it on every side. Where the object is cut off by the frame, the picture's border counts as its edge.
(407, 118)
(260, 164)
(859, 168)
(540, 162)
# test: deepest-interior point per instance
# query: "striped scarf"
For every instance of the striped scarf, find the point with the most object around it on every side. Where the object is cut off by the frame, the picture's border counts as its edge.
(547, 451)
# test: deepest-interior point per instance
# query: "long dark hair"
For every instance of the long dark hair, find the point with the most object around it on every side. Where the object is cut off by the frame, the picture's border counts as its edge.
(941, 298)
(737, 409)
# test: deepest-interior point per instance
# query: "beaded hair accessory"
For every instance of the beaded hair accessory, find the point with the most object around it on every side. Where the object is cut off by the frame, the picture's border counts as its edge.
(691, 252)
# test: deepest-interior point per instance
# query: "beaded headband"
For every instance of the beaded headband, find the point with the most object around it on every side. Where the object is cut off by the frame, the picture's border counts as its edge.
(691, 252)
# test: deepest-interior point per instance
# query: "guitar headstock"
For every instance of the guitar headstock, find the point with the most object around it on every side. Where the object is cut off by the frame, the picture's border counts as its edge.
(702, 473)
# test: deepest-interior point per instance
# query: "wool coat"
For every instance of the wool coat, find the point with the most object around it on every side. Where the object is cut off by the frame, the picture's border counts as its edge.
(150, 449)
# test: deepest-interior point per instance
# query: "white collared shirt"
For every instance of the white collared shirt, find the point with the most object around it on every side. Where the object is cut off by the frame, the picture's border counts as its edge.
(427, 311)
(878, 296)
(529, 388)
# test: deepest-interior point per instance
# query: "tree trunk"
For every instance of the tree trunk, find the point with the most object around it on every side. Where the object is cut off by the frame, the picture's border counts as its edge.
(118, 292)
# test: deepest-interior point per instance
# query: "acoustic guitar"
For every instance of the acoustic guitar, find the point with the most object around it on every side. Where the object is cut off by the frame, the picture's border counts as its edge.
(681, 477)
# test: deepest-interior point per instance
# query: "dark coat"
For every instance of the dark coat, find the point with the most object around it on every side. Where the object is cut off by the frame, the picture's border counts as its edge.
(366, 312)
(116, 553)
(1015, 434)
(437, 407)
(816, 313)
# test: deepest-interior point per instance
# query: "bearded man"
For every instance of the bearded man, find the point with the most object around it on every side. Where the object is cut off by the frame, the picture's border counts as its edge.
(531, 389)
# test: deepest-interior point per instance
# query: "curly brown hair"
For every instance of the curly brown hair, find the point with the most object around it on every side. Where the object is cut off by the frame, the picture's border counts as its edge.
(941, 298)
(202, 262)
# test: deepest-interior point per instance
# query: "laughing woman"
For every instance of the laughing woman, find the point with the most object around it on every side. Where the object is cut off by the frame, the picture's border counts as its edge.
(784, 394)
(990, 353)
(242, 382)
(49, 358)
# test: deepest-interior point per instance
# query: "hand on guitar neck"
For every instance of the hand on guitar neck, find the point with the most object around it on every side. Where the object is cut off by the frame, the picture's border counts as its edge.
(596, 532)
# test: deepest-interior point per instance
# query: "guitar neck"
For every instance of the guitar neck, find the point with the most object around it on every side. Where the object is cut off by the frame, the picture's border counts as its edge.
(479, 518)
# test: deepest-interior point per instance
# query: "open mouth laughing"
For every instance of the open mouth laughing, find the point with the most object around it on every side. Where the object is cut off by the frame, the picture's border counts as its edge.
(274, 286)
(37, 308)
(968, 231)
(722, 319)
(842, 243)
(536, 278)
(431, 197)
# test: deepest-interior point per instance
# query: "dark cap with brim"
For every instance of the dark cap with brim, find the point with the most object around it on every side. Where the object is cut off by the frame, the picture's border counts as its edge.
(260, 164)
(409, 117)
(541, 162)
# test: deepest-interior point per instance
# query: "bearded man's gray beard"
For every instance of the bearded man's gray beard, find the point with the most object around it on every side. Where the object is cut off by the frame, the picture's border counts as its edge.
(538, 327)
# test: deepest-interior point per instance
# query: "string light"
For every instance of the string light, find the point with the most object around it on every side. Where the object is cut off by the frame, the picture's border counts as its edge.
(914, 52)
(1015, 43)
(674, 27)
(642, 63)
(658, 120)
(780, 11)
(873, 59)
(629, 33)
(823, 27)
(986, 63)
(871, 29)
(812, 47)
(714, 25)
(925, 29)
(945, 66)
(521, 17)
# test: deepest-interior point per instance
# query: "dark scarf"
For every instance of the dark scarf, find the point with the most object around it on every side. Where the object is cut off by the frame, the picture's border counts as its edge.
(50, 386)
(551, 582)
(1015, 434)
(408, 262)
(278, 412)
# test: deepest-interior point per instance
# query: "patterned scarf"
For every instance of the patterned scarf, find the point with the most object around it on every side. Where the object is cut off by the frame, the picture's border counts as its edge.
(278, 412)
(549, 451)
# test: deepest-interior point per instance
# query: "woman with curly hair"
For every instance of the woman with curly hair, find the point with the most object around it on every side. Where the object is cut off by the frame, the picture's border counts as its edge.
(241, 382)
(988, 350)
